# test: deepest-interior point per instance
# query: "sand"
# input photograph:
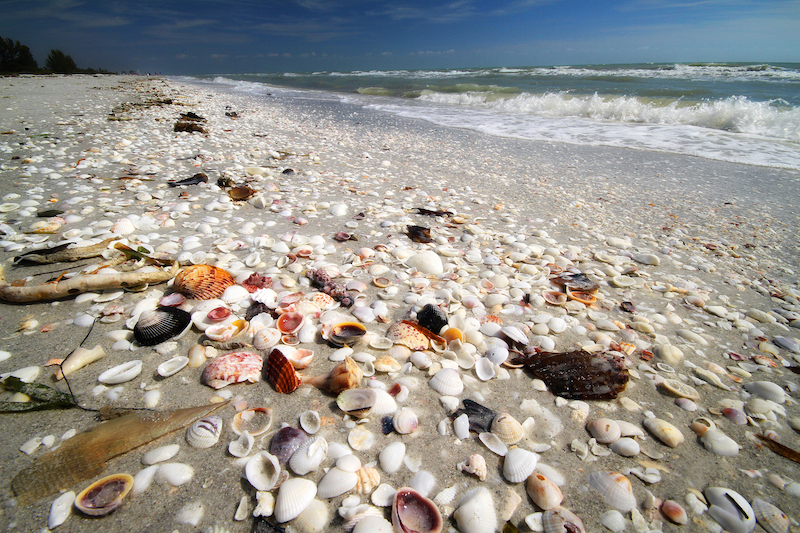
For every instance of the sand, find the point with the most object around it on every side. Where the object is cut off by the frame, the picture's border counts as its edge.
(728, 229)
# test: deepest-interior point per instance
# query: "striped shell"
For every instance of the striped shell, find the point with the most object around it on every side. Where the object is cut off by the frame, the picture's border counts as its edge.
(204, 433)
(161, 324)
(280, 372)
(202, 282)
(235, 367)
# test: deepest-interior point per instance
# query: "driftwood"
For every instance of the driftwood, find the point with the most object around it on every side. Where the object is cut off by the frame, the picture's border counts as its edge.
(62, 253)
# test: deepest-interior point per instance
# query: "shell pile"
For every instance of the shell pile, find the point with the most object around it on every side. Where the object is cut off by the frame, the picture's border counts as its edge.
(495, 367)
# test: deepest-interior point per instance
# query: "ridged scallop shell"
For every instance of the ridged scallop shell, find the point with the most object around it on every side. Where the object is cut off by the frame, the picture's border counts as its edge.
(447, 382)
(413, 512)
(368, 479)
(336, 482)
(123, 226)
(384, 405)
(772, 519)
(507, 429)
(202, 282)
(614, 488)
(294, 495)
(309, 456)
(543, 491)
(205, 432)
(519, 464)
(234, 294)
(234, 367)
(104, 495)
(406, 334)
(280, 372)
(161, 324)
(475, 512)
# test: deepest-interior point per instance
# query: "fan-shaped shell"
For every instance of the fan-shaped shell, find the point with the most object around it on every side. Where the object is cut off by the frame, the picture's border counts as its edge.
(280, 372)
(309, 456)
(507, 429)
(294, 495)
(413, 512)
(447, 382)
(235, 367)
(104, 495)
(407, 334)
(772, 519)
(475, 513)
(205, 432)
(519, 464)
(202, 282)
(161, 324)
(614, 488)
(234, 294)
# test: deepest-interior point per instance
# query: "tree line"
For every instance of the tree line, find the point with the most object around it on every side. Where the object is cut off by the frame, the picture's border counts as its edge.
(16, 58)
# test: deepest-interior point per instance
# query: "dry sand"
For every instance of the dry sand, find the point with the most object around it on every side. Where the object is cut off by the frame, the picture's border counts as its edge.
(727, 230)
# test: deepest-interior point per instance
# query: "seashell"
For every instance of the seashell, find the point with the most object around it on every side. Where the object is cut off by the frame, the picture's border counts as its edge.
(674, 512)
(480, 417)
(123, 226)
(519, 464)
(191, 514)
(346, 333)
(266, 338)
(309, 456)
(310, 421)
(484, 369)
(158, 325)
(368, 479)
(256, 421)
(234, 294)
(280, 372)
(286, 442)
(391, 457)
(730, 510)
(626, 447)
(405, 421)
(717, 442)
(234, 367)
(336, 482)
(555, 297)
(493, 443)
(412, 512)
(432, 318)
(409, 335)
(205, 432)
(604, 430)
(561, 520)
(360, 438)
(172, 366)
(515, 334)
(772, 519)
(160, 454)
(218, 314)
(345, 375)
(544, 493)
(356, 402)
(475, 512)
(614, 488)
(767, 390)
(387, 363)
(202, 282)
(613, 521)
(507, 429)
(373, 524)
(263, 471)
(79, 358)
(294, 496)
(679, 389)
(476, 465)
(60, 510)
(121, 373)
(242, 446)
(664, 431)
(290, 322)
(226, 331)
(579, 375)
(104, 495)
(447, 382)
(314, 518)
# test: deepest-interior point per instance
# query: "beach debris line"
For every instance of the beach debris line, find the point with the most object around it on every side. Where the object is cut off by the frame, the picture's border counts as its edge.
(39, 396)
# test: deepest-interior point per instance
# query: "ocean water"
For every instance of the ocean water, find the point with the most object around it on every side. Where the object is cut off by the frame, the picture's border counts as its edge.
(745, 113)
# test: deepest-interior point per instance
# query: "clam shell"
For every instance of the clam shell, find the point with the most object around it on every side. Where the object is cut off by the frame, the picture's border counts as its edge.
(561, 520)
(60, 510)
(614, 488)
(679, 389)
(373, 524)
(336, 482)
(290, 322)
(730, 510)
(507, 429)
(519, 464)
(493, 443)
(121, 373)
(242, 446)
(674, 512)
(626, 447)
(234, 294)
(413, 512)
(202, 282)
(405, 421)
(447, 382)
(104, 495)
(772, 519)
(155, 326)
(314, 518)
(406, 334)
(266, 338)
(310, 421)
(263, 471)
(205, 432)
(360, 438)
(391, 457)
(664, 431)
(256, 421)
(717, 442)
(234, 367)
(160, 454)
(543, 491)
(475, 512)
(346, 333)
(280, 372)
(286, 442)
(484, 369)
(294, 495)
(604, 430)
(357, 402)
(309, 456)
(172, 366)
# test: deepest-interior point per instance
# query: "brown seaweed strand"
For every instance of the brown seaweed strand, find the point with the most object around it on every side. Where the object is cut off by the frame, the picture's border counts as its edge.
(779, 448)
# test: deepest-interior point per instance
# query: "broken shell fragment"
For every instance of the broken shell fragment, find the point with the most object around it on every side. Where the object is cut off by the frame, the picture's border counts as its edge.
(104, 495)
(234, 367)
(256, 421)
(408, 334)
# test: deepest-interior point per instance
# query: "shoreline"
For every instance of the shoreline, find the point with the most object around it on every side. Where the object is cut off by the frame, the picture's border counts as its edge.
(732, 244)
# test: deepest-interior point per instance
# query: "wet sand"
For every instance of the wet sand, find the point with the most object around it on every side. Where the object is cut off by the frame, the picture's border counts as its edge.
(723, 232)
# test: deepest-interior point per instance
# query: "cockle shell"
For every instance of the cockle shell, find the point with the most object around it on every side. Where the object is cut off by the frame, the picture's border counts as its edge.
(475, 512)
(561, 520)
(336, 482)
(205, 432)
(161, 324)
(412, 512)
(772, 519)
(266, 338)
(280, 372)
(447, 382)
(604, 430)
(391, 457)
(202, 282)
(313, 519)
(614, 488)
(543, 491)
(368, 479)
(507, 429)
(294, 495)
(519, 464)
(104, 495)
(309, 456)
(235, 367)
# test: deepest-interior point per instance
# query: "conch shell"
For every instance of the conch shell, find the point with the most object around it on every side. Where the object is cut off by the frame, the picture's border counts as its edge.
(345, 375)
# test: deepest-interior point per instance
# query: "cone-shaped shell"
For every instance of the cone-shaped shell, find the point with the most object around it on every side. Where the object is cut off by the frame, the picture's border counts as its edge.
(280, 372)
(413, 513)
(202, 282)
(104, 495)
(345, 375)
(294, 495)
(158, 325)
(614, 488)
(235, 367)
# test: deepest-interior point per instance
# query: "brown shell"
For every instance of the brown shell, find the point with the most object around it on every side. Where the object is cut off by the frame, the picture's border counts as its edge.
(579, 375)
(202, 282)
(281, 373)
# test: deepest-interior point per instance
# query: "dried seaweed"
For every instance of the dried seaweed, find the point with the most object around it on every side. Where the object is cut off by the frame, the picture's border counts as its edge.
(41, 397)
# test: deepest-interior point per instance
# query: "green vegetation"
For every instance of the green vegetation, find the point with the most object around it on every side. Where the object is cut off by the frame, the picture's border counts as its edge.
(16, 58)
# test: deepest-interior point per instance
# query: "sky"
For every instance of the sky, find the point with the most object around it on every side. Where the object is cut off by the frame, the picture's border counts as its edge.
(240, 36)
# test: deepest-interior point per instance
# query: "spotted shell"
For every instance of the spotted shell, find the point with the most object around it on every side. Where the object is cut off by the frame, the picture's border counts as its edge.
(406, 334)
(202, 282)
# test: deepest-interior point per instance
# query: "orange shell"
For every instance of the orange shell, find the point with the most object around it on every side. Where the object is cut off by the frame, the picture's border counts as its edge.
(202, 282)
(281, 373)
(583, 297)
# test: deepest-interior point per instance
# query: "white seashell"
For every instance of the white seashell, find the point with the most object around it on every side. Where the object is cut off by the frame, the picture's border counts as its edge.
(405, 421)
(717, 442)
(614, 488)
(493, 443)
(265, 504)
(475, 512)
(242, 446)
(461, 427)
(664, 431)
(308, 456)
(476, 465)
(427, 262)
(445, 496)
(423, 482)
(484, 369)
(336, 482)
(151, 398)
(730, 510)
(314, 518)
(613, 521)
(767, 390)
(544, 492)
(60, 509)
(391, 457)
(384, 404)
(519, 464)
(373, 524)
(205, 432)
(383, 495)
(234, 294)
(263, 471)
(160, 454)
(294, 496)
(175, 474)
(447, 382)
(172, 366)
(121, 373)
(266, 338)
(772, 519)
(360, 438)
(626, 447)
(604, 430)
(348, 463)
(143, 479)
(310, 422)
(191, 514)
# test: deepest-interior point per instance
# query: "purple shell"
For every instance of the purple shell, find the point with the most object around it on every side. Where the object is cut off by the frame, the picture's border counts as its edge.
(285, 442)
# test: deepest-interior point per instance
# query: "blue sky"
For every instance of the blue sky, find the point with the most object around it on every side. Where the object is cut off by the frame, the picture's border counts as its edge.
(235, 36)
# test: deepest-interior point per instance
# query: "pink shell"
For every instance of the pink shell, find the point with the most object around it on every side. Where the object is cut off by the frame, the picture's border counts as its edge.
(290, 322)
(235, 367)
(172, 300)
(219, 313)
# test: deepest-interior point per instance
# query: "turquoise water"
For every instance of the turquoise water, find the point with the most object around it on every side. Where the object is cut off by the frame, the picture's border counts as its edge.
(748, 113)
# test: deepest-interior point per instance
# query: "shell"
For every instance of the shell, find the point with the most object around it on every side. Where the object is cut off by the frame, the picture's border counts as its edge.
(475, 512)
(234, 367)
(256, 421)
(345, 375)
(626, 447)
(519, 464)
(205, 432)
(314, 518)
(613, 521)
(357, 402)
(161, 324)
(172, 366)
(242, 446)
(373, 524)
(202, 282)
(368, 479)
(309, 456)
(160, 454)
(386, 363)
(104, 495)
(543, 492)
(385, 404)
(121, 373)
(405, 421)
(772, 519)
(767, 390)
(60, 510)
(730, 510)
(614, 488)
(674, 512)
(280, 372)
(561, 520)
(413, 512)
(310, 421)
(447, 382)
(391, 457)
(263, 471)
(476, 465)
(493, 443)
(408, 334)
(225, 331)
(507, 429)
(294, 495)
(360, 438)
(679, 389)
(604, 430)
(664, 431)
(290, 322)
(266, 338)
(336, 482)
(346, 333)
(717, 442)
(286, 442)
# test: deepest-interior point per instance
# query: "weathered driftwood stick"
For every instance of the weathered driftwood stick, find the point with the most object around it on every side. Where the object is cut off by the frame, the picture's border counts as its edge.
(80, 284)
(58, 254)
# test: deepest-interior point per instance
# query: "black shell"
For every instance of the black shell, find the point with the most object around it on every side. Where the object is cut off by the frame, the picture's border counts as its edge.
(480, 417)
(432, 318)
(160, 324)
(579, 375)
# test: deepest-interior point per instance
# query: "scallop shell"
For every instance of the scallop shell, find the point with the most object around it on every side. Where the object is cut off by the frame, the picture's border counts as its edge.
(205, 432)
(507, 429)
(614, 488)
(543, 491)
(447, 382)
(407, 334)
(202, 282)
(263, 471)
(309, 456)
(280, 372)
(413, 512)
(234, 367)
(772, 519)
(475, 512)
(336, 482)
(519, 464)
(294, 495)
(391, 457)
(158, 325)
(234, 294)
(256, 421)
(104, 495)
